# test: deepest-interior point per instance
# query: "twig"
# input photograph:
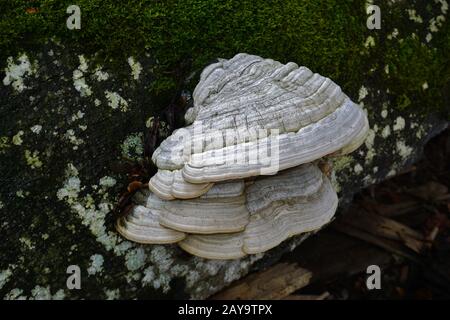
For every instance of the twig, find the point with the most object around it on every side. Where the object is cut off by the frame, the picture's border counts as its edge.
(275, 283)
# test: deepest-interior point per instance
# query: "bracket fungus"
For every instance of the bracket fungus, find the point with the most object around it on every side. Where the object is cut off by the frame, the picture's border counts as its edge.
(299, 206)
(281, 115)
(169, 185)
(142, 225)
(239, 178)
(206, 215)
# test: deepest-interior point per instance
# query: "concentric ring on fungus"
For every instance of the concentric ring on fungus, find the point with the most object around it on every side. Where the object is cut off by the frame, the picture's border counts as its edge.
(295, 210)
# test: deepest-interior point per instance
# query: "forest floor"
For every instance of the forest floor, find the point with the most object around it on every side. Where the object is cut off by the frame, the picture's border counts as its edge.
(419, 199)
(401, 225)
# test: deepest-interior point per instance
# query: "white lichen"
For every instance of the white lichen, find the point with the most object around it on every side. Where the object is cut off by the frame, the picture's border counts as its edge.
(17, 139)
(79, 82)
(115, 101)
(96, 265)
(97, 102)
(358, 168)
(233, 271)
(386, 132)
(21, 194)
(136, 68)
(15, 294)
(135, 259)
(413, 16)
(32, 159)
(212, 267)
(73, 139)
(91, 214)
(191, 278)
(162, 282)
(435, 23)
(370, 139)
(399, 124)
(403, 150)
(420, 132)
(101, 75)
(4, 143)
(17, 73)
(149, 276)
(59, 295)
(369, 142)
(133, 147)
(160, 256)
(27, 243)
(107, 182)
(69, 192)
(5, 275)
(362, 93)
(112, 294)
(122, 247)
(83, 67)
(393, 34)
(444, 6)
(41, 293)
(77, 116)
(179, 270)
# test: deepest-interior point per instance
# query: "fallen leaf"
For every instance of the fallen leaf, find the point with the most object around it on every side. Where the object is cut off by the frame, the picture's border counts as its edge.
(32, 10)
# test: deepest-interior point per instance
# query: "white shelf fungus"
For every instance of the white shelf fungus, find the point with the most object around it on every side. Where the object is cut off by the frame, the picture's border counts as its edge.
(252, 114)
(238, 179)
(142, 226)
(296, 209)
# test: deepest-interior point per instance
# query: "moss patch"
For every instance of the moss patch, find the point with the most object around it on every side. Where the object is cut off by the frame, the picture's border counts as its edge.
(327, 36)
(324, 35)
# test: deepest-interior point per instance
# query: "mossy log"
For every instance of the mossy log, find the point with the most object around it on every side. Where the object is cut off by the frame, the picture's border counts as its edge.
(69, 123)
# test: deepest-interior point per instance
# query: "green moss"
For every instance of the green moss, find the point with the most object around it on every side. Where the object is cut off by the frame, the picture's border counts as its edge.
(340, 163)
(419, 69)
(326, 35)
(413, 64)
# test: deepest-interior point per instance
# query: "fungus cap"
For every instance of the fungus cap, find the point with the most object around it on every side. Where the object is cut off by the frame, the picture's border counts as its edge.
(142, 226)
(248, 107)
